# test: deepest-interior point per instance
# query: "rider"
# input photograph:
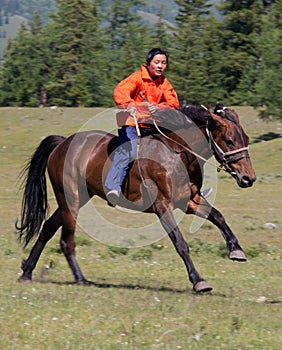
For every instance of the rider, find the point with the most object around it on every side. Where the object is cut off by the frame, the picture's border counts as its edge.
(147, 84)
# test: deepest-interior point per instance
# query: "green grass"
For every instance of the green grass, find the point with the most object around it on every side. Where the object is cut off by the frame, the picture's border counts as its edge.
(142, 298)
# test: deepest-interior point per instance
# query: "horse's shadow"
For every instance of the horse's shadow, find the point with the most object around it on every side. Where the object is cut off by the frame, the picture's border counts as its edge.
(134, 286)
(267, 137)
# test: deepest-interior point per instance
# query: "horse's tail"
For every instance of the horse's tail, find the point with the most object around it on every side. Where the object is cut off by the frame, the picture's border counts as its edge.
(34, 202)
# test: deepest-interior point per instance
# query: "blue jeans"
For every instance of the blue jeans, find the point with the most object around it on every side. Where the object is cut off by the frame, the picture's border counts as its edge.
(124, 155)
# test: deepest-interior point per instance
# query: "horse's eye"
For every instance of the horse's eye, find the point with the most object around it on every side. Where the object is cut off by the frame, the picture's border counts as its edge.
(229, 143)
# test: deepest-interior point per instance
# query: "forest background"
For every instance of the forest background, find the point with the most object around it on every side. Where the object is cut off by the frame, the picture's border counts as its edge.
(73, 52)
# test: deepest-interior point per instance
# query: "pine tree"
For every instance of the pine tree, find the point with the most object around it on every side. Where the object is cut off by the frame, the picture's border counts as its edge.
(188, 70)
(269, 84)
(241, 25)
(128, 40)
(94, 66)
(213, 89)
(70, 23)
(23, 71)
(162, 31)
(36, 24)
(119, 15)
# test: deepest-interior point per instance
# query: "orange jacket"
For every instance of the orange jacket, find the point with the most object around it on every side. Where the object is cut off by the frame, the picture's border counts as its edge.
(127, 94)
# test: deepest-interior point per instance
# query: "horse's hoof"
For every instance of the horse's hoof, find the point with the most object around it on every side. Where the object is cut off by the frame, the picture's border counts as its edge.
(24, 279)
(237, 255)
(202, 286)
(85, 283)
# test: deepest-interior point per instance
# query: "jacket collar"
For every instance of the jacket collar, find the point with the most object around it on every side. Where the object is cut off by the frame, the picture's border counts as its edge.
(146, 76)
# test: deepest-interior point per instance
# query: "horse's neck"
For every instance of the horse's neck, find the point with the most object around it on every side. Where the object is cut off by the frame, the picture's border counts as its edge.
(194, 139)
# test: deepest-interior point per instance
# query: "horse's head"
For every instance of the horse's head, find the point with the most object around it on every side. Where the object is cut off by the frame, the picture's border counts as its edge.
(230, 143)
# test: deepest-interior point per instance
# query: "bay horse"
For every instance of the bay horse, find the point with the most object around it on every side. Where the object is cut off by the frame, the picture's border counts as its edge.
(77, 167)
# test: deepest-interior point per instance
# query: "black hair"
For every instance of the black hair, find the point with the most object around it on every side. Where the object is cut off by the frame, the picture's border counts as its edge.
(155, 51)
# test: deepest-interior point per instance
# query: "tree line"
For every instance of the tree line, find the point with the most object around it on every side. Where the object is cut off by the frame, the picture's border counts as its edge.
(83, 51)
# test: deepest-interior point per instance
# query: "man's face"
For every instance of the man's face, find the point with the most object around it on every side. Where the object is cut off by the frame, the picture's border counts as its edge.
(157, 66)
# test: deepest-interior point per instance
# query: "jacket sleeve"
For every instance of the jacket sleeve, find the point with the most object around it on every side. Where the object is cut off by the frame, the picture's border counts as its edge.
(127, 90)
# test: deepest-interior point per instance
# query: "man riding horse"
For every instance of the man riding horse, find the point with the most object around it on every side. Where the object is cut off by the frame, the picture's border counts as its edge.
(77, 165)
(150, 81)
(140, 95)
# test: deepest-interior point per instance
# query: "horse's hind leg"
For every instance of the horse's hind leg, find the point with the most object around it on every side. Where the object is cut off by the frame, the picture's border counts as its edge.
(48, 230)
(167, 220)
(68, 246)
(202, 208)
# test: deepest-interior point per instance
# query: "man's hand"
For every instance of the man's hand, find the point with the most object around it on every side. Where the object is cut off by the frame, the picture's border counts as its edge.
(132, 111)
(152, 108)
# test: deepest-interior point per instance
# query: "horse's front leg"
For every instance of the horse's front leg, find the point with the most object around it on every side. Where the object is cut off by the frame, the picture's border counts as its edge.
(200, 207)
(168, 222)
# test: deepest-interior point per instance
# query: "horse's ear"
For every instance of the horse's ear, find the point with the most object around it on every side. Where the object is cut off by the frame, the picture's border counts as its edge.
(219, 110)
(225, 112)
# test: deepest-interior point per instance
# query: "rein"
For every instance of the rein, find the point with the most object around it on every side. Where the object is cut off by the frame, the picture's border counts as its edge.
(184, 147)
(225, 158)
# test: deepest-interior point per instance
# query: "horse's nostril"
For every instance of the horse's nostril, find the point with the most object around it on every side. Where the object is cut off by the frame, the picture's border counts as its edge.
(246, 181)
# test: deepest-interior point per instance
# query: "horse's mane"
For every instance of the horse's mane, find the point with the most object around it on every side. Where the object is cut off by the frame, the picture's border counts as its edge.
(187, 115)
(198, 114)
(172, 119)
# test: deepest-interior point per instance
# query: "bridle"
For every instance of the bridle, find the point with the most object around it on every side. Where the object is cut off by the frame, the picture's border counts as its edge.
(225, 158)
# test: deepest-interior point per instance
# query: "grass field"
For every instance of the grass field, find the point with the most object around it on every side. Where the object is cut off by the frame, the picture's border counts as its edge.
(142, 298)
